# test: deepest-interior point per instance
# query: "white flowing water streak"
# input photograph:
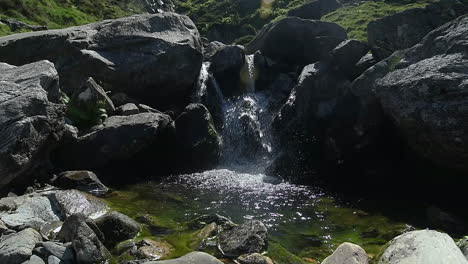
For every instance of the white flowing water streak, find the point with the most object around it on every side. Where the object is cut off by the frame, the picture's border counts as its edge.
(202, 83)
(250, 85)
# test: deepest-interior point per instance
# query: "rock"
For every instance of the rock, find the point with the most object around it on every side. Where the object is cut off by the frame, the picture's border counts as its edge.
(48, 230)
(3, 227)
(73, 202)
(117, 227)
(190, 258)
(16, 25)
(60, 251)
(28, 211)
(254, 258)
(18, 248)
(53, 260)
(250, 237)
(212, 48)
(294, 40)
(153, 250)
(120, 99)
(34, 260)
(463, 245)
(202, 221)
(140, 140)
(91, 95)
(128, 109)
(345, 56)
(314, 9)
(363, 64)
(197, 138)
(88, 248)
(347, 253)
(147, 109)
(405, 29)
(423, 93)
(121, 54)
(227, 66)
(85, 181)
(31, 123)
(422, 247)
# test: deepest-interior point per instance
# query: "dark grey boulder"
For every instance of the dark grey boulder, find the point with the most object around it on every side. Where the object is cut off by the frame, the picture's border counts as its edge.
(363, 64)
(294, 40)
(85, 181)
(116, 228)
(18, 248)
(128, 109)
(190, 258)
(198, 141)
(344, 57)
(137, 138)
(120, 99)
(314, 9)
(58, 250)
(404, 30)
(250, 237)
(31, 120)
(228, 67)
(152, 57)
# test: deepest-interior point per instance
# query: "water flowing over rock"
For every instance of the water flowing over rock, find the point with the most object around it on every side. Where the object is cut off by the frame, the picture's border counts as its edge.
(31, 121)
(347, 253)
(404, 30)
(295, 41)
(122, 55)
(421, 247)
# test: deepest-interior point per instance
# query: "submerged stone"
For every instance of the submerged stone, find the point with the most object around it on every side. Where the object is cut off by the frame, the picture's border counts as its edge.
(250, 237)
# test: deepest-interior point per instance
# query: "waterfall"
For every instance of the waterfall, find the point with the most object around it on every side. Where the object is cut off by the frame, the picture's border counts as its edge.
(203, 79)
(250, 82)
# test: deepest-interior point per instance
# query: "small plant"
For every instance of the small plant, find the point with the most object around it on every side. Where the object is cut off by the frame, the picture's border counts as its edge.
(85, 115)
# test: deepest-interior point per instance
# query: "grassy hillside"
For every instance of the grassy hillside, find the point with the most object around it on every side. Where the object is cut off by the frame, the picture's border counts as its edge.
(355, 18)
(65, 13)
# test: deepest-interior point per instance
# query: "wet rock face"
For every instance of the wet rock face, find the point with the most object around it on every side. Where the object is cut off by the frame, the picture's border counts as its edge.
(227, 64)
(404, 30)
(295, 41)
(420, 247)
(31, 121)
(121, 54)
(347, 253)
(250, 237)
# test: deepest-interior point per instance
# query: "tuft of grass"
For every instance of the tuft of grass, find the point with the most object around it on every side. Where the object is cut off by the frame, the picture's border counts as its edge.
(355, 18)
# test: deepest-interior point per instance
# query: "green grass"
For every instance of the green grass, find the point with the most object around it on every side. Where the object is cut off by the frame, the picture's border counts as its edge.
(356, 18)
(65, 13)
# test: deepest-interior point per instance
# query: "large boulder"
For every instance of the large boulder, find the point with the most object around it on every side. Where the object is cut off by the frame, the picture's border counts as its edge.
(85, 181)
(228, 67)
(250, 237)
(421, 247)
(425, 95)
(198, 141)
(117, 227)
(152, 57)
(31, 120)
(347, 253)
(404, 30)
(138, 138)
(19, 247)
(296, 41)
(314, 9)
(344, 57)
(190, 258)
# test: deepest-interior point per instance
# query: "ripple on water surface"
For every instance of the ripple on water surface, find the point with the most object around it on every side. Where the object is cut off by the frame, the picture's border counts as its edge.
(301, 219)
